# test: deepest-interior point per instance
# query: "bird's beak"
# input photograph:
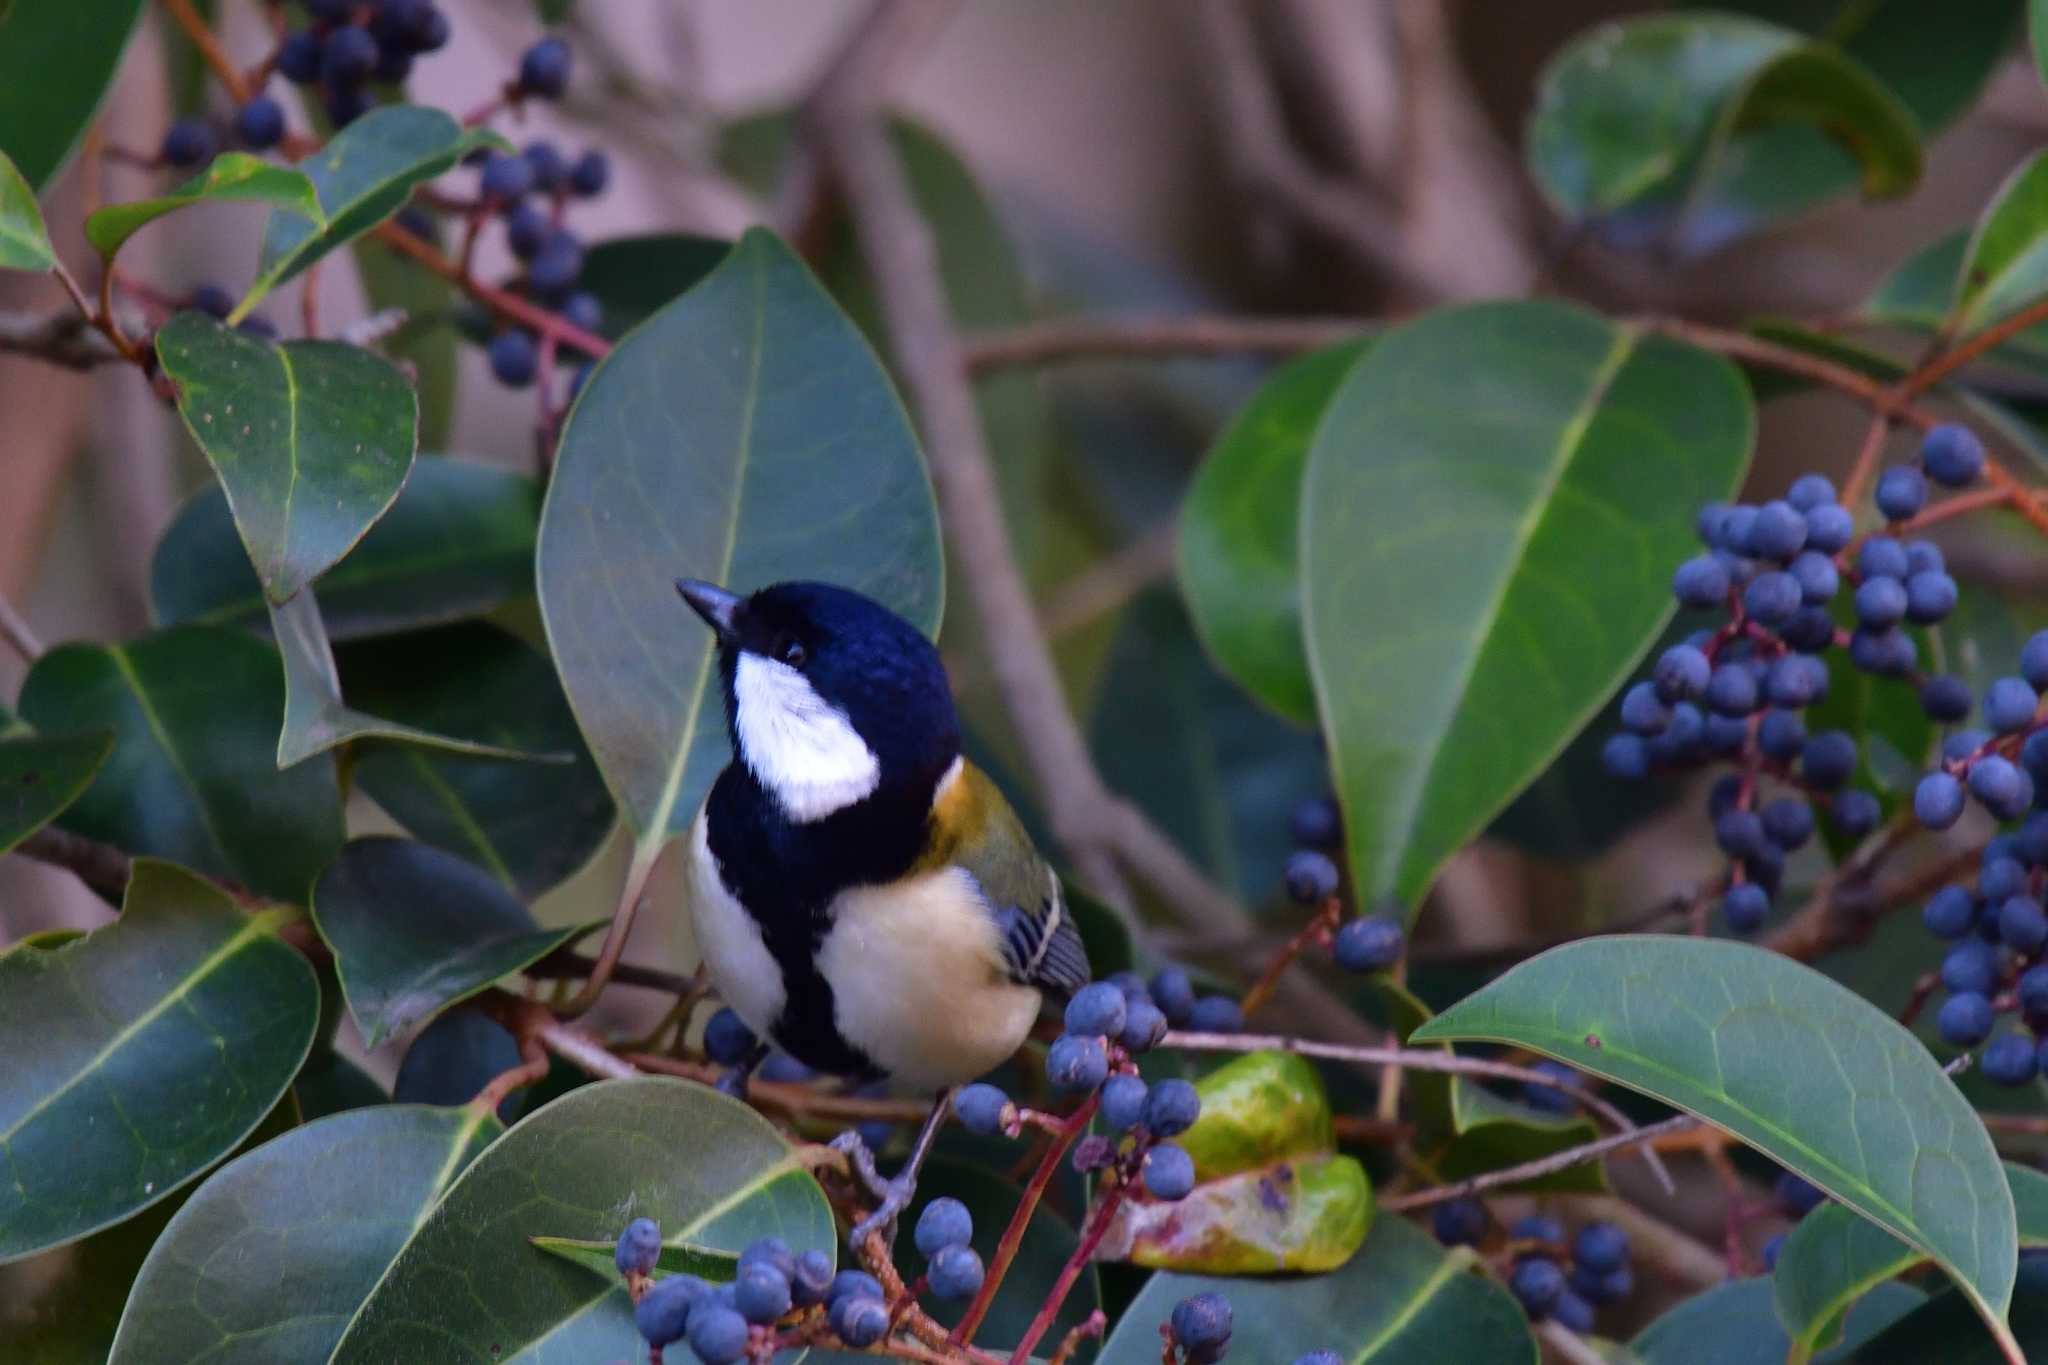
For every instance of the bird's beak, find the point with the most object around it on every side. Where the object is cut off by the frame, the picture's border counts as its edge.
(713, 603)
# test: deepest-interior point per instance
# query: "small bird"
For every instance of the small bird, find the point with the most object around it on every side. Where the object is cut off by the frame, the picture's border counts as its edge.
(863, 895)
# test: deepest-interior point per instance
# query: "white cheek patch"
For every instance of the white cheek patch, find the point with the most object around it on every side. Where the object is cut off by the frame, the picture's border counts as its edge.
(797, 745)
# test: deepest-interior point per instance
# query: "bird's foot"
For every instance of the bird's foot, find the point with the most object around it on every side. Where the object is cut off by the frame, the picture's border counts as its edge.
(893, 1196)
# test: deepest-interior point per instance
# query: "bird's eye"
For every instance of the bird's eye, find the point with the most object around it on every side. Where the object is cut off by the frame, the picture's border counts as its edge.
(791, 652)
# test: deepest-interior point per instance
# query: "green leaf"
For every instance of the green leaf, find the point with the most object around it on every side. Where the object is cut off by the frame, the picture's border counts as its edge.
(363, 175)
(232, 176)
(57, 62)
(61, 1307)
(268, 1260)
(1495, 501)
(1700, 127)
(1941, 1329)
(1218, 773)
(311, 439)
(330, 1083)
(24, 241)
(1735, 1324)
(40, 775)
(1802, 1069)
(1834, 1256)
(141, 1054)
(1403, 1300)
(595, 1254)
(1818, 86)
(193, 778)
(1305, 1214)
(1936, 60)
(2005, 266)
(2037, 35)
(1920, 292)
(635, 277)
(1257, 1109)
(458, 542)
(528, 824)
(315, 717)
(745, 434)
(1623, 110)
(706, 1168)
(1237, 554)
(415, 930)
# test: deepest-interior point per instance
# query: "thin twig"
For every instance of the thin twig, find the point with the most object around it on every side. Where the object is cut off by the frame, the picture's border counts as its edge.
(100, 866)
(1091, 1238)
(1020, 1219)
(575, 1046)
(1541, 1166)
(508, 305)
(217, 60)
(1414, 1059)
(1868, 456)
(16, 632)
(1067, 340)
(1946, 364)
(64, 338)
(564, 963)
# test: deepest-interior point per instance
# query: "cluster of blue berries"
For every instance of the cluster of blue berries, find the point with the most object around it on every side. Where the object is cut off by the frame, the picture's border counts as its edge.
(530, 190)
(725, 1323)
(952, 1268)
(1370, 943)
(1735, 693)
(1109, 1023)
(1598, 1261)
(1996, 965)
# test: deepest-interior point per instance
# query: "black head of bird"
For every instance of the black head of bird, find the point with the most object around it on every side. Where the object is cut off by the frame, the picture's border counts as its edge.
(830, 697)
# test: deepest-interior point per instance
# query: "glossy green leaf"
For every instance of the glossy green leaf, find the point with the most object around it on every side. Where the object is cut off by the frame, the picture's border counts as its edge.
(745, 434)
(1699, 127)
(1817, 85)
(706, 1168)
(415, 930)
(458, 542)
(42, 774)
(316, 718)
(596, 1254)
(633, 278)
(529, 824)
(1835, 1256)
(1403, 1300)
(1624, 110)
(135, 1057)
(1942, 1329)
(1802, 1069)
(1237, 554)
(311, 439)
(1494, 504)
(193, 777)
(363, 175)
(275, 1252)
(57, 62)
(1218, 773)
(233, 176)
(61, 1307)
(24, 241)
(2005, 265)
(330, 1083)
(1735, 1324)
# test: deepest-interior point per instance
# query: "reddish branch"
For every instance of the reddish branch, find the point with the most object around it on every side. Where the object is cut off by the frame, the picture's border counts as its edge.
(1013, 1235)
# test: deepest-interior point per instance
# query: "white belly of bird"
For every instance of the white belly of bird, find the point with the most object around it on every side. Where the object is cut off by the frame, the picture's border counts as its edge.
(740, 964)
(918, 984)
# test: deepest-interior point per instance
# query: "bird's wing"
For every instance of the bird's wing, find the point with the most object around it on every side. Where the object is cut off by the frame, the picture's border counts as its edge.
(975, 830)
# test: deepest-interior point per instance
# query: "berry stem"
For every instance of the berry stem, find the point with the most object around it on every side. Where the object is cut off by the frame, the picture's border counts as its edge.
(210, 51)
(1947, 363)
(1013, 1235)
(1541, 1166)
(1868, 456)
(1098, 1228)
(1317, 929)
(506, 304)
